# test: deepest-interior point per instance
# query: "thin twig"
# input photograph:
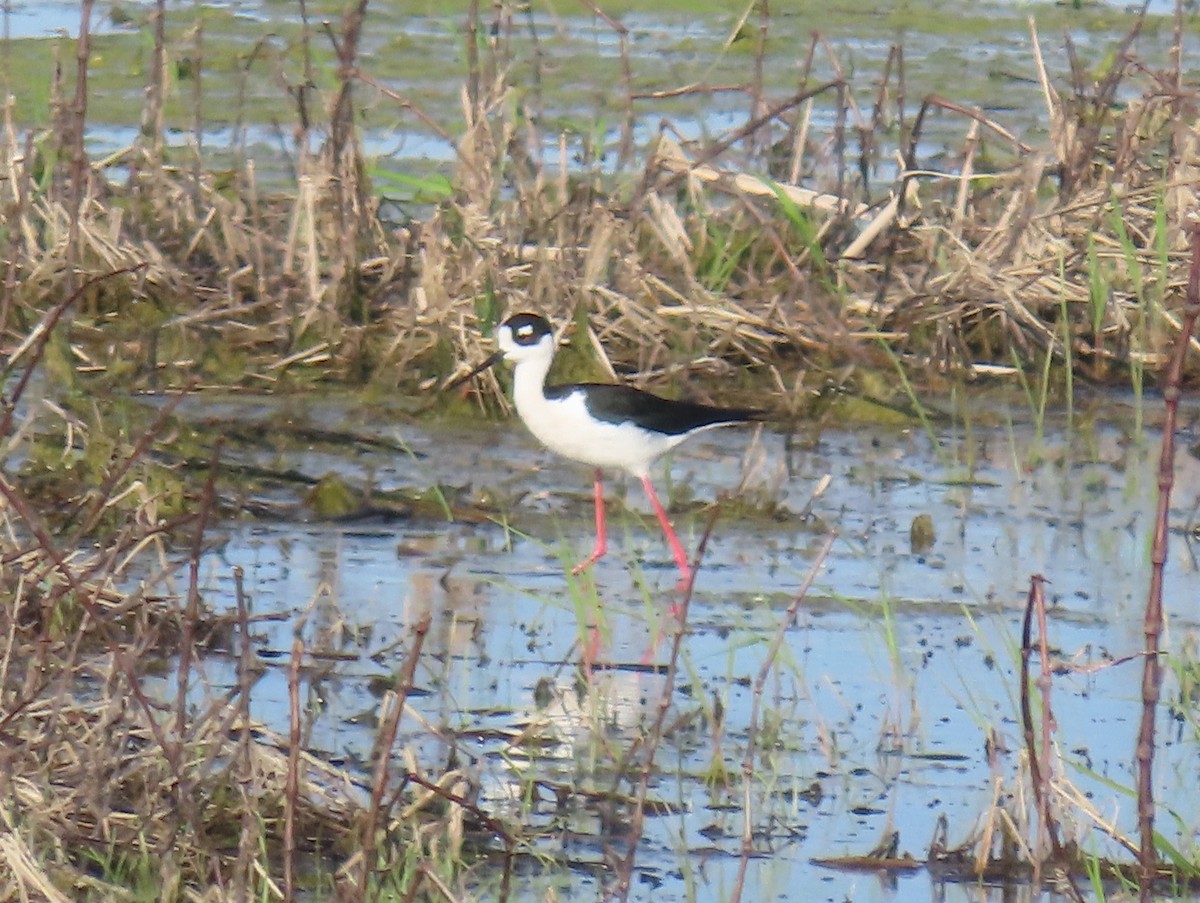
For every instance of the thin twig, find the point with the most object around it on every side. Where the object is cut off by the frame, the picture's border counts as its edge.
(86, 597)
(103, 493)
(715, 150)
(35, 343)
(625, 148)
(650, 742)
(185, 798)
(760, 682)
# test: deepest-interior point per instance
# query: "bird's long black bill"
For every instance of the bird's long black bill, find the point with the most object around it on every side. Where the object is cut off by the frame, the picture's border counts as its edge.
(490, 361)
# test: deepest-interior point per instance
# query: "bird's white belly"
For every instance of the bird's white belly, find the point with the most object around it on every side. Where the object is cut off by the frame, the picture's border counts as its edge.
(564, 426)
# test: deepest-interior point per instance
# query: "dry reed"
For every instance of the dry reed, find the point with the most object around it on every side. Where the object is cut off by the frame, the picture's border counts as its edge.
(961, 271)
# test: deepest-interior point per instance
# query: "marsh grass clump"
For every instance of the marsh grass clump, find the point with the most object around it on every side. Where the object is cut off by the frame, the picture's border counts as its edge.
(991, 258)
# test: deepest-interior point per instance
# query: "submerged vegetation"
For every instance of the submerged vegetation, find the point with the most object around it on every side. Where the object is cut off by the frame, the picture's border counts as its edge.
(847, 246)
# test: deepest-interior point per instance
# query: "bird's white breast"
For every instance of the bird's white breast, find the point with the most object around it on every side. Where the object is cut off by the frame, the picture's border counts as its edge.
(564, 426)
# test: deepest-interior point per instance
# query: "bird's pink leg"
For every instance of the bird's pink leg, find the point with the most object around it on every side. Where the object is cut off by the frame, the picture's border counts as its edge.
(601, 546)
(681, 559)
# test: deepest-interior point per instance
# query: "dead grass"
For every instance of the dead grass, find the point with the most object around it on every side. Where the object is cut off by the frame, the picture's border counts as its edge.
(686, 263)
(118, 783)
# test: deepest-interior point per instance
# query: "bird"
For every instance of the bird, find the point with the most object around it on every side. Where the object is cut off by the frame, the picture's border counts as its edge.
(602, 425)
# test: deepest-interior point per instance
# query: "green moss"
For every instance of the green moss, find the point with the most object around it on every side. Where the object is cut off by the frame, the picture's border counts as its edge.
(857, 409)
(332, 497)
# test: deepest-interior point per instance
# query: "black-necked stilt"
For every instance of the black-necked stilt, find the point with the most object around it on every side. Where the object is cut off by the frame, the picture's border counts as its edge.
(599, 424)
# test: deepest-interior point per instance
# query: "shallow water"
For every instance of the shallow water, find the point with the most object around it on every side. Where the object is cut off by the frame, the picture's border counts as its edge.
(882, 698)
(979, 55)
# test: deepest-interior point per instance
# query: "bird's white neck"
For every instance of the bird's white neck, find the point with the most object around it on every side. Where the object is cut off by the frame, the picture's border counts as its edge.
(529, 383)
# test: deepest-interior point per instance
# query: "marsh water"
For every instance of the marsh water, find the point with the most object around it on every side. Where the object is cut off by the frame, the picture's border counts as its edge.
(565, 70)
(898, 678)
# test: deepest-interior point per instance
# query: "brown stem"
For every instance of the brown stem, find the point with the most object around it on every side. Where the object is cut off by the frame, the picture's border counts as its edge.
(350, 202)
(80, 171)
(757, 97)
(150, 136)
(17, 211)
(197, 54)
(474, 76)
(247, 847)
(101, 495)
(1039, 760)
(1153, 622)
(715, 150)
(493, 824)
(383, 750)
(291, 795)
(192, 612)
(186, 809)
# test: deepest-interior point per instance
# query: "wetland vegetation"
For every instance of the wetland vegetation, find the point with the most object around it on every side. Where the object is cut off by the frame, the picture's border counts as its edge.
(286, 605)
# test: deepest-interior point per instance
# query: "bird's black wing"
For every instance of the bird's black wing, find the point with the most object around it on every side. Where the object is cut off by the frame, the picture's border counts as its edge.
(625, 404)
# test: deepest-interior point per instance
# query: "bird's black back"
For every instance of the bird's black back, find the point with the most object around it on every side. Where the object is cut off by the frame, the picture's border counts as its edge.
(625, 404)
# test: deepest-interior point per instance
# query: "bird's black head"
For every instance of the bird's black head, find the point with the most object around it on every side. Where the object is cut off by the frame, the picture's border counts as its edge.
(522, 337)
(526, 329)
